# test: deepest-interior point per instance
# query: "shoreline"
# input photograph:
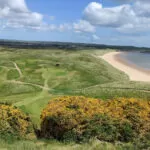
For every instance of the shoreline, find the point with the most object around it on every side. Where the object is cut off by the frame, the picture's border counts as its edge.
(134, 72)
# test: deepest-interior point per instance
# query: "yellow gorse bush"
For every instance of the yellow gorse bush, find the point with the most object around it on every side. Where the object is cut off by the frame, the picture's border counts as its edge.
(65, 113)
(122, 107)
(136, 112)
(14, 122)
(73, 108)
(94, 117)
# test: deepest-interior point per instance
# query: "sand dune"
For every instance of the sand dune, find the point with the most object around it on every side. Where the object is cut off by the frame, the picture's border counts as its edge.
(134, 73)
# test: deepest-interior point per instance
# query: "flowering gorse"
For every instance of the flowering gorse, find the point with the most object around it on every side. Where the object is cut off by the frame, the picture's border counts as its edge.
(81, 118)
(13, 122)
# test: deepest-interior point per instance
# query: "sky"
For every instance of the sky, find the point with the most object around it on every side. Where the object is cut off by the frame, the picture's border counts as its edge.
(113, 22)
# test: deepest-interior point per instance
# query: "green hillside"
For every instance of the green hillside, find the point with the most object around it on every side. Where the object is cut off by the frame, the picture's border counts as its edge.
(30, 78)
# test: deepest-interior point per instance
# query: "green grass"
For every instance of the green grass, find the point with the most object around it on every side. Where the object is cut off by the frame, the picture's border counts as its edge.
(55, 145)
(78, 73)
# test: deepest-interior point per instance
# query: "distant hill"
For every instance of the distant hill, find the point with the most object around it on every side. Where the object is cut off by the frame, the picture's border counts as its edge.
(65, 45)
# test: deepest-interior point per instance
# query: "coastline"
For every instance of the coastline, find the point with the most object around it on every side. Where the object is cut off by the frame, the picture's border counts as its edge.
(134, 72)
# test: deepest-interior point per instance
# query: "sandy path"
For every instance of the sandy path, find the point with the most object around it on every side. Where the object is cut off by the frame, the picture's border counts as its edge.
(18, 69)
(25, 83)
(134, 73)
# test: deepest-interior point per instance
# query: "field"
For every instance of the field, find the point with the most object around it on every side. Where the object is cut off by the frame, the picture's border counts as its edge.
(30, 78)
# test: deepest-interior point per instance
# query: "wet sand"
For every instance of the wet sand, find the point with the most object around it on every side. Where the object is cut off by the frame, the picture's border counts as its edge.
(134, 72)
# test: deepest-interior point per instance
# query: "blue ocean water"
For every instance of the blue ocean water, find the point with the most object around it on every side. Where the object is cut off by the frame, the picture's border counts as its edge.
(141, 60)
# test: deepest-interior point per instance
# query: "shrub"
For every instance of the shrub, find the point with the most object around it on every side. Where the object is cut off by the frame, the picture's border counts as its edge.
(14, 123)
(132, 112)
(68, 114)
(79, 118)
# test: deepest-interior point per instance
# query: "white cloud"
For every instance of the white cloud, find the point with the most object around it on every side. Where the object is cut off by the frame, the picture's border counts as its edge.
(83, 26)
(14, 5)
(52, 27)
(15, 14)
(124, 18)
(95, 37)
(114, 17)
(142, 8)
(64, 27)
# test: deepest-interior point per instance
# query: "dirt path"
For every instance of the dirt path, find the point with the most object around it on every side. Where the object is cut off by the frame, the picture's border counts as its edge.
(5, 67)
(41, 95)
(18, 69)
(25, 83)
(45, 76)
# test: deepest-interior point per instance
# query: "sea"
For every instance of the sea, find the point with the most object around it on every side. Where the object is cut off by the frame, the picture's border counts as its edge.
(139, 59)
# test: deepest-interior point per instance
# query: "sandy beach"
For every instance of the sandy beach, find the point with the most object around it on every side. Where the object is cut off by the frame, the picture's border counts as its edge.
(135, 73)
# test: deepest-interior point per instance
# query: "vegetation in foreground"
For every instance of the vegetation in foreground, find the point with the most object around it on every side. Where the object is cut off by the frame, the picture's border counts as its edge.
(80, 118)
(14, 124)
(30, 78)
(55, 145)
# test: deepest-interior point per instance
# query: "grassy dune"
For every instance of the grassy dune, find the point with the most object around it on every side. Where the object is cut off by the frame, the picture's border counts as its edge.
(40, 75)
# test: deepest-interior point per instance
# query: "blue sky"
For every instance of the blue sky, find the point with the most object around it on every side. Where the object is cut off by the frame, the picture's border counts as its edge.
(114, 22)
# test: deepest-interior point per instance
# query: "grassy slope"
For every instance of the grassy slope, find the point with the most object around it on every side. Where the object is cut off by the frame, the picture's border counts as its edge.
(79, 73)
